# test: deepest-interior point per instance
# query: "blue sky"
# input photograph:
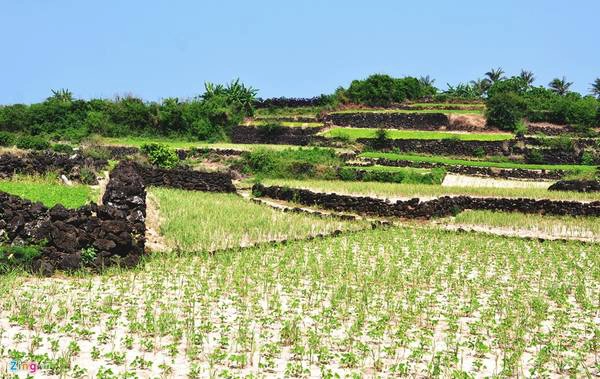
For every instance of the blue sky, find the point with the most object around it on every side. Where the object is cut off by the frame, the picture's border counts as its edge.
(158, 49)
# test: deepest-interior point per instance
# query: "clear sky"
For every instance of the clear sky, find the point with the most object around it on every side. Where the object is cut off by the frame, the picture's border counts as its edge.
(156, 49)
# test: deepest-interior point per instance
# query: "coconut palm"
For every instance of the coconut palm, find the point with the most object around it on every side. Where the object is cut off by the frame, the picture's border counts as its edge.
(62, 95)
(426, 81)
(481, 85)
(596, 88)
(495, 74)
(560, 86)
(527, 76)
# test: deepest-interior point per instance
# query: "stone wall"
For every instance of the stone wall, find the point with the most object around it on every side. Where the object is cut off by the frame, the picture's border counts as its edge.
(185, 179)
(448, 146)
(493, 172)
(389, 120)
(414, 208)
(113, 231)
(43, 162)
(576, 185)
(281, 135)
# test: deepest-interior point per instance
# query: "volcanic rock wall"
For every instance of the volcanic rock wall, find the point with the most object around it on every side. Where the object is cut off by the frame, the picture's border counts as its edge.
(185, 179)
(389, 120)
(43, 162)
(281, 135)
(91, 236)
(414, 208)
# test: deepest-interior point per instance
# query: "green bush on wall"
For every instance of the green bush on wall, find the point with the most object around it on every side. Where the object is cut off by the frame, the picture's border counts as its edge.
(32, 143)
(160, 155)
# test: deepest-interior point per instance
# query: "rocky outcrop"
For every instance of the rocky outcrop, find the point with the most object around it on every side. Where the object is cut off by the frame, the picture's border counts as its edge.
(576, 186)
(414, 208)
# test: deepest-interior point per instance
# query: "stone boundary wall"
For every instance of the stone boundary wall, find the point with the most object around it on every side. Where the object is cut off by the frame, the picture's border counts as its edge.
(389, 120)
(448, 146)
(493, 172)
(282, 135)
(43, 162)
(185, 179)
(414, 208)
(114, 230)
(576, 185)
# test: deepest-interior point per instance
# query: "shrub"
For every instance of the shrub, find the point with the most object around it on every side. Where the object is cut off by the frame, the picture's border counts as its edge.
(62, 148)
(7, 139)
(382, 90)
(32, 143)
(292, 163)
(505, 110)
(160, 155)
(520, 129)
(587, 158)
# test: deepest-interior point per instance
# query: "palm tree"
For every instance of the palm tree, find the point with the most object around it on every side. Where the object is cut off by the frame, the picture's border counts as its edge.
(560, 86)
(596, 88)
(481, 85)
(495, 74)
(527, 76)
(426, 81)
(62, 95)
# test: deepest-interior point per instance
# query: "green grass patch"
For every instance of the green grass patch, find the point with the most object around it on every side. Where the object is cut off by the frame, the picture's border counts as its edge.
(289, 112)
(465, 162)
(49, 191)
(443, 111)
(185, 144)
(402, 190)
(355, 133)
(392, 174)
(289, 124)
(200, 221)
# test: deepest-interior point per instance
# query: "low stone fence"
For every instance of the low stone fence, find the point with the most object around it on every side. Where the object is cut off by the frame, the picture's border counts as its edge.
(43, 162)
(91, 236)
(492, 172)
(281, 135)
(185, 179)
(448, 146)
(389, 120)
(576, 185)
(414, 208)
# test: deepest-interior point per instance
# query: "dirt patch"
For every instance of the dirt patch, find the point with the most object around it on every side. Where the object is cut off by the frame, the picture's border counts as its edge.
(155, 242)
(452, 180)
(468, 121)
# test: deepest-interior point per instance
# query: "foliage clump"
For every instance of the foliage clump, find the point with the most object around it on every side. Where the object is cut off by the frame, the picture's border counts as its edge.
(160, 155)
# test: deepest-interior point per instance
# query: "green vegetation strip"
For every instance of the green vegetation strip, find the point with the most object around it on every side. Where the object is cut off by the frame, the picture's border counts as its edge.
(416, 110)
(186, 144)
(289, 124)
(464, 162)
(355, 133)
(49, 191)
(402, 190)
(200, 221)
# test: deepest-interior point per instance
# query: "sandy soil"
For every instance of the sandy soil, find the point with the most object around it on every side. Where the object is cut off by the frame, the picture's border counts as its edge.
(453, 180)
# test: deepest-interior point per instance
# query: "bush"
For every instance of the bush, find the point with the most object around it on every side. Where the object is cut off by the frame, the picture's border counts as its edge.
(7, 139)
(32, 143)
(160, 155)
(405, 175)
(505, 110)
(62, 148)
(292, 163)
(383, 90)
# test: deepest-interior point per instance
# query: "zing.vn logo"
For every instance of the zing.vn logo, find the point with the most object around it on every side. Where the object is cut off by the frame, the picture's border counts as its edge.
(31, 367)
